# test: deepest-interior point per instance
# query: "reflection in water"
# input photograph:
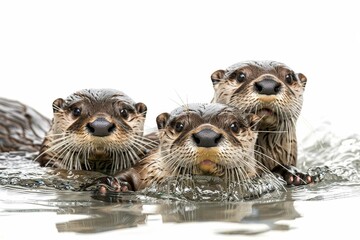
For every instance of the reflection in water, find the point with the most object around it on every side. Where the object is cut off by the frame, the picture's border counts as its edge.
(105, 219)
(104, 216)
(129, 215)
(268, 214)
(26, 187)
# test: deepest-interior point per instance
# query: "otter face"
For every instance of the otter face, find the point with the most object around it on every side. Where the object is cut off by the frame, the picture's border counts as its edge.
(208, 139)
(96, 125)
(269, 89)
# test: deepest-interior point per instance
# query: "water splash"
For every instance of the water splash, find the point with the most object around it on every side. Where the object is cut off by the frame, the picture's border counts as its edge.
(19, 169)
(208, 188)
(335, 161)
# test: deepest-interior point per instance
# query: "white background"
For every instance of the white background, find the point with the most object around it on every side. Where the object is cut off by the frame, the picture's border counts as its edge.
(162, 53)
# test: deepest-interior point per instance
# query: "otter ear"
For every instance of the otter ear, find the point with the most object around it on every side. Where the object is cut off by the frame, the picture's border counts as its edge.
(58, 104)
(141, 108)
(162, 119)
(253, 120)
(217, 76)
(302, 79)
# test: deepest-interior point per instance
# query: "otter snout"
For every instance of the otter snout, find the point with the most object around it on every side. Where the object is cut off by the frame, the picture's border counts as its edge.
(267, 86)
(100, 127)
(207, 138)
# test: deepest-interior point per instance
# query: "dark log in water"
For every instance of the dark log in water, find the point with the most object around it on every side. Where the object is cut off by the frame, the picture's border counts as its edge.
(22, 128)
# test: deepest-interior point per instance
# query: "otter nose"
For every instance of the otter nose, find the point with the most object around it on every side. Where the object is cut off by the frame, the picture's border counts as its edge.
(268, 87)
(207, 138)
(100, 127)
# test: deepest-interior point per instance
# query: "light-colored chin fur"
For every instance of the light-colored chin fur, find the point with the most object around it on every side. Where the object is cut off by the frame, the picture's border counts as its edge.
(226, 163)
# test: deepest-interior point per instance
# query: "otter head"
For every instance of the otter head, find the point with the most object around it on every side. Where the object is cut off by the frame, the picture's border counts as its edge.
(208, 139)
(267, 88)
(96, 125)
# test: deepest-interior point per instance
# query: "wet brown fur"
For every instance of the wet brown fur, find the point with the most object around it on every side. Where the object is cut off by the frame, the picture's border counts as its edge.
(276, 143)
(70, 145)
(22, 128)
(178, 154)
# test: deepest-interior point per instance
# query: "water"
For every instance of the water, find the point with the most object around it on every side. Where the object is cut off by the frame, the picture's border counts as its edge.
(47, 203)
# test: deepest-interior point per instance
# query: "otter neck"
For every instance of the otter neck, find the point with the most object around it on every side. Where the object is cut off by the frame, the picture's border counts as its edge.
(276, 147)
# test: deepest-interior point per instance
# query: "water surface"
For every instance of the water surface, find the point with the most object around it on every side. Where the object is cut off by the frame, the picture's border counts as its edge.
(48, 203)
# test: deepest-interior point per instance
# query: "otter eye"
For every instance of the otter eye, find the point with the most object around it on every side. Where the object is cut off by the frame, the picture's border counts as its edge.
(124, 113)
(232, 75)
(179, 127)
(241, 77)
(76, 112)
(290, 78)
(235, 127)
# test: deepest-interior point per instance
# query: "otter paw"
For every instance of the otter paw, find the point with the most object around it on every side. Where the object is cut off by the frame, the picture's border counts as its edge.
(293, 176)
(109, 184)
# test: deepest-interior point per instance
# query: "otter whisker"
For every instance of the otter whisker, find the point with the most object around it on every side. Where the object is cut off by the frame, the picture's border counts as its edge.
(104, 134)
(116, 164)
(178, 162)
(132, 157)
(264, 168)
(86, 153)
(168, 160)
(62, 154)
(76, 159)
(68, 158)
(144, 144)
(188, 152)
(243, 175)
(57, 146)
(267, 157)
(271, 131)
(139, 147)
(122, 160)
(73, 158)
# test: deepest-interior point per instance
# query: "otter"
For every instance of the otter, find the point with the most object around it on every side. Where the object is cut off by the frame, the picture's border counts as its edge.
(274, 92)
(22, 128)
(209, 139)
(95, 129)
